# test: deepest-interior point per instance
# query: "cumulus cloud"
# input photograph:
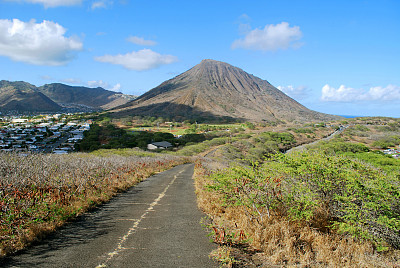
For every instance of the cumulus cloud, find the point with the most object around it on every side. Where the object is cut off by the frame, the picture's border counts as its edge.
(92, 84)
(51, 3)
(37, 43)
(297, 93)
(141, 41)
(141, 60)
(105, 85)
(348, 94)
(272, 37)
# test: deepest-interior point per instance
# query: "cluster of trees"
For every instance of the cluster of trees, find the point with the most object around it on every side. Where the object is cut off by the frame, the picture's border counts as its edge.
(112, 137)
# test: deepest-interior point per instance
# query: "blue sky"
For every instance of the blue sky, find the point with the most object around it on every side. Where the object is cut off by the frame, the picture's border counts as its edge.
(338, 57)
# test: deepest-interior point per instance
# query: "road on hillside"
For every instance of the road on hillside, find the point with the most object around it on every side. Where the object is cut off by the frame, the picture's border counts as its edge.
(154, 224)
(303, 147)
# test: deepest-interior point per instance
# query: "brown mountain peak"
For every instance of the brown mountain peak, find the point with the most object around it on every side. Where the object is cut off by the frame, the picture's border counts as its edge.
(214, 89)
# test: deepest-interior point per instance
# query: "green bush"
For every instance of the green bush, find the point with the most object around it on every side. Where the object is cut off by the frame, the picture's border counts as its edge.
(303, 130)
(250, 125)
(361, 128)
(336, 146)
(359, 199)
(386, 142)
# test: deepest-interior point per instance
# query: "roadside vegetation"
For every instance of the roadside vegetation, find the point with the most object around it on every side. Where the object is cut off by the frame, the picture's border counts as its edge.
(335, 204)
(38, 192)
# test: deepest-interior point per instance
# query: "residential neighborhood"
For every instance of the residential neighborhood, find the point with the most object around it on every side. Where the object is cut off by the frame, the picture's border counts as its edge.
(47, 134)
(393, 152)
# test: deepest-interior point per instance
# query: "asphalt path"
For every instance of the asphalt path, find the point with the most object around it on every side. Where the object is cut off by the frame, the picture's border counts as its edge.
(303, 147)
(154, 224)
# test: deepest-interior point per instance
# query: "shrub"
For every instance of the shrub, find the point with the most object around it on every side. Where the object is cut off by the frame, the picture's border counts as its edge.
(336, 146)
(303, 130)
(356, 198)
(386, 142)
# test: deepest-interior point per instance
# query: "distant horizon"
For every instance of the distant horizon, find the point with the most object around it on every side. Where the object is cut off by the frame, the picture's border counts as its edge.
(352, 116)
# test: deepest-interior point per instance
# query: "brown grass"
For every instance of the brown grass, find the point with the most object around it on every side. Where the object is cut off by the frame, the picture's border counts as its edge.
(39, 193)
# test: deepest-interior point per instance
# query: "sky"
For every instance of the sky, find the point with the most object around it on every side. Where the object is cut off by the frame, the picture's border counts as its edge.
(333, 56)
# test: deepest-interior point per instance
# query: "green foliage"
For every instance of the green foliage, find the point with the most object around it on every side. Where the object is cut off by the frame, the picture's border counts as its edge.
(303, 130)
(282, 138)
(357, 130)
(378, 159)
(245, 149)
(249, 187)
(361, 128)
(322, 124)
(111, 137)
(339, 146)
(250, 125)
(193, 138)
(358, 199)
(387, 141)
(390, 127)
(231, 152)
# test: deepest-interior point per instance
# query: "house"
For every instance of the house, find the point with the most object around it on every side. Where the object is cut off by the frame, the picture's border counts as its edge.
(19, 120)
(159, 145)
(58, 151)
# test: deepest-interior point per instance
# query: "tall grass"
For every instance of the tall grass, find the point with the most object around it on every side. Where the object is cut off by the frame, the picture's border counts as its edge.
(40, 192)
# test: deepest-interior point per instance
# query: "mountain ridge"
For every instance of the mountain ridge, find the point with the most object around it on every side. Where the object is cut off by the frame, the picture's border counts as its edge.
(56, 97)
(22, 96)
(214, 88)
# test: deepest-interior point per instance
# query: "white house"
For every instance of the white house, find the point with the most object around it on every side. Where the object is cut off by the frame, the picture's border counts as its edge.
(159, 145)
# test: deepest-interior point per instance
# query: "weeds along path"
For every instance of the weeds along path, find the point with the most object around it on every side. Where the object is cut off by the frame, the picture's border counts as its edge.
(154, 224)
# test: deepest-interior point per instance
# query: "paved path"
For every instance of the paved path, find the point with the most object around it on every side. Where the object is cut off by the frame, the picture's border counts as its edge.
(303, 147)
(155, 224)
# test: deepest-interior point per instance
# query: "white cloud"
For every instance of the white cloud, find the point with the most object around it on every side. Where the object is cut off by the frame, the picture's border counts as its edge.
(51, 3)
(37, 43)
(92, 84)
(297, 93)
(141, 41)
(244, 24)
(141, 60)
(116, 88)
(272, 37)
(101, 4)
(105, 85)
(348, 94)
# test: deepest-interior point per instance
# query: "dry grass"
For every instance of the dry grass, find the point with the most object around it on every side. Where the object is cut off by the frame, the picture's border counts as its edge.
(38, 193)
(287, 243)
